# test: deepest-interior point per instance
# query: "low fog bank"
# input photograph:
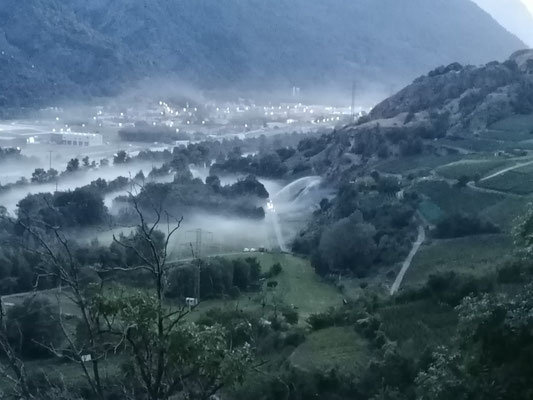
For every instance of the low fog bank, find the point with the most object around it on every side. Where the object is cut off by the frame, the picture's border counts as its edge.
(10, 198)
(12, 171)
(219, 234)
(287, 212)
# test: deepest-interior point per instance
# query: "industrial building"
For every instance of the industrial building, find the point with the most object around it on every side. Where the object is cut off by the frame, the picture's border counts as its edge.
(78, 139)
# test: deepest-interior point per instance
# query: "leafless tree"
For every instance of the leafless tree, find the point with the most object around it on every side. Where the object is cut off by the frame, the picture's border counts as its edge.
(140, 324)
(12, 368)
(59, 263)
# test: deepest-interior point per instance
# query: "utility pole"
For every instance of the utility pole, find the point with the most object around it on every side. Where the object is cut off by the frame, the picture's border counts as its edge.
(2, 315)
(50, 160)
(199, 269)
(353, 101)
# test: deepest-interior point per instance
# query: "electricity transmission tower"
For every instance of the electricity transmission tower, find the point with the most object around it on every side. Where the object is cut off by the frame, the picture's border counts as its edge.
(197, 247)
(198, 240)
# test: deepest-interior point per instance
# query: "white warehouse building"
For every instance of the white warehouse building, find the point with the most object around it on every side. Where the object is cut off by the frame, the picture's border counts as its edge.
(79, 139)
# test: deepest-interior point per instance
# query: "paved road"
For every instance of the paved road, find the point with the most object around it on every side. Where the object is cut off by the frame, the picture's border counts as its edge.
(472, 185)
(503, 171)
(407, 263)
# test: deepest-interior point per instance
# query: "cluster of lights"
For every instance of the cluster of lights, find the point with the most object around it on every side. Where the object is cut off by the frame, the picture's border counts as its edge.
(324, 120)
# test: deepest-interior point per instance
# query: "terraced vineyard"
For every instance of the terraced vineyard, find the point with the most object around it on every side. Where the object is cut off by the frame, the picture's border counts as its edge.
(518, 181)
(472, 168)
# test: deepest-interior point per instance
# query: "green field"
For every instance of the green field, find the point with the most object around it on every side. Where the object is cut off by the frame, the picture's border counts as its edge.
(471, 168)
(516, 123)
(405, 165)
(418, 324)
(337, 347)
(69, 373)
(474, 144)
(505, 213)
(443, 199)
(298, 286)
(474, 255)
(507, 136)
(515, 130)
(54, 296)
(518, 181)
(451, 199)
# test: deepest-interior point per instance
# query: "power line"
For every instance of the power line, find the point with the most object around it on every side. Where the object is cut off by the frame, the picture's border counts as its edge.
(353, 101)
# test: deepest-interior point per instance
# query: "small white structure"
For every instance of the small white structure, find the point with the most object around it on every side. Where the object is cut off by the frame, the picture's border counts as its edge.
(191, 301)
(86, 358)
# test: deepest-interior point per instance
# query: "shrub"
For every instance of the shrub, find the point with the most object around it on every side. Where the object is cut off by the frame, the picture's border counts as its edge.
(32, 326)
(234, 292)
(460, 225)
(275, 270)
(514, 271)
(290, 315)
(294, 338)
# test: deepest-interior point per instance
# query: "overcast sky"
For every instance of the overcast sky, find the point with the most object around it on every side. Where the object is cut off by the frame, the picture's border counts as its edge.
(513, 15)
(529, 4)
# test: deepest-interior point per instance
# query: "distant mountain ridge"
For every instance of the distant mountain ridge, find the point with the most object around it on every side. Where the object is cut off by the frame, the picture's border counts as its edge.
(76, 48)
(512, 15)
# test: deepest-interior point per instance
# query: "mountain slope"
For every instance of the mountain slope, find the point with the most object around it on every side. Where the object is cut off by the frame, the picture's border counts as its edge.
(511, 14)
(93, 47)
(451, 110)
(46, 52)
(473, 97)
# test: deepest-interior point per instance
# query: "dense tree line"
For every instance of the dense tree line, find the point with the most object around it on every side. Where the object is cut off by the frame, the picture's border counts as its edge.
(459, 225)
(363, 227)
(243, 198)
(79, 208)
(269, 165)
(218, 277)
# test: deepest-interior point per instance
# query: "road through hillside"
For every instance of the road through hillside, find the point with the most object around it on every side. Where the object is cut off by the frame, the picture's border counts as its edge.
(407, 263)
(503, 171)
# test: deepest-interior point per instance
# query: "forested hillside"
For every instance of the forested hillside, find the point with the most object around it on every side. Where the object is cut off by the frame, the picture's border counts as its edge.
(57, 48)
